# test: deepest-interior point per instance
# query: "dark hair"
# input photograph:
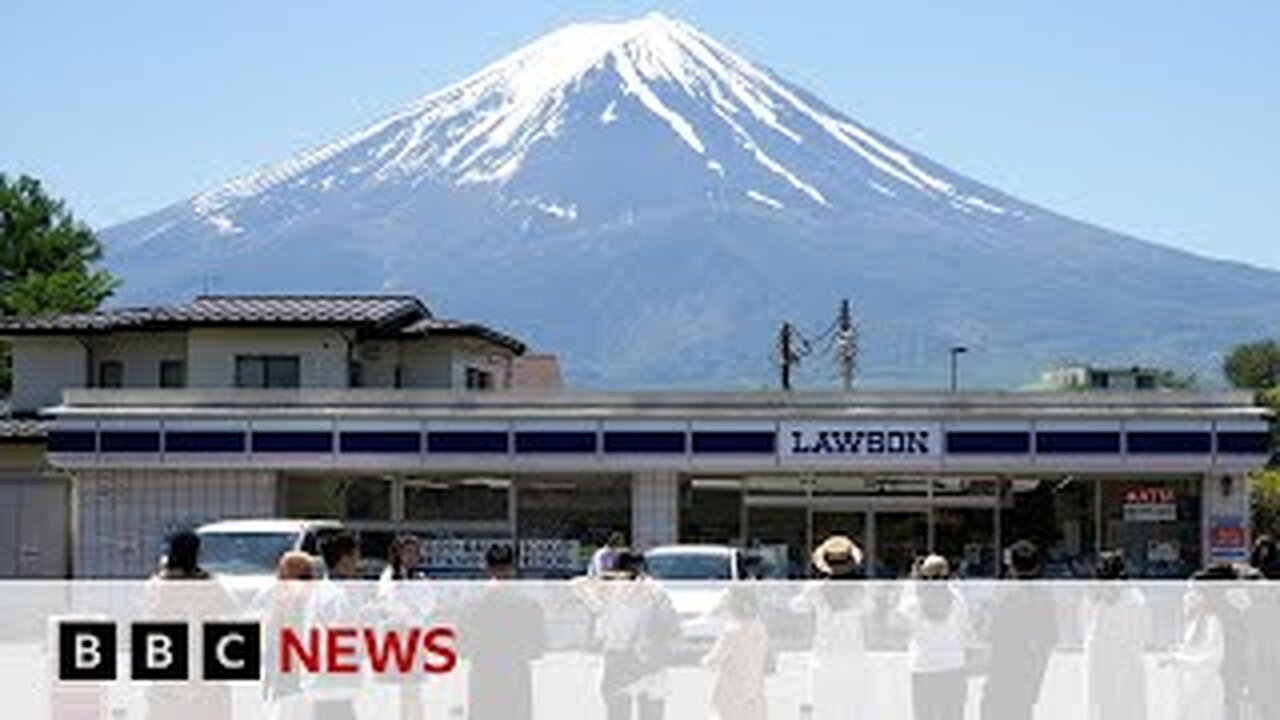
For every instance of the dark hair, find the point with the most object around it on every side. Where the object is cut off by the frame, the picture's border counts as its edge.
(1264, 557)
(338, 547)
(1110, 566)
(1024, 559)
(629, 561)
(184, 552)
(398, 571)
(500, 556)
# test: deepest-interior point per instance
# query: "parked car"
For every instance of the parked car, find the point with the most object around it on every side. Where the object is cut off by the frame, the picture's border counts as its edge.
(252, 548)
(694, 577)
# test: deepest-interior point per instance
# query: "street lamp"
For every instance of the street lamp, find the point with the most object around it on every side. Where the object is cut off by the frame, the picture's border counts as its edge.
(956, 351)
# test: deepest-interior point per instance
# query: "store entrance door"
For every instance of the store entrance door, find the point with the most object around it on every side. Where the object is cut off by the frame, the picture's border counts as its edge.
(785, 535)
(899, 538)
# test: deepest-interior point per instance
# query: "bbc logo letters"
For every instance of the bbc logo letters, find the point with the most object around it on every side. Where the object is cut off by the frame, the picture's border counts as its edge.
(160, 651)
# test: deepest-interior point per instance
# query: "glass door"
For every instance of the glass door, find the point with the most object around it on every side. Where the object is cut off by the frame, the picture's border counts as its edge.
(900, 538)
(779, 537)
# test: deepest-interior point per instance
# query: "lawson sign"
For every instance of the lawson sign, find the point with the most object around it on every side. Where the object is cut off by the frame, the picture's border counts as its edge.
(875, 442)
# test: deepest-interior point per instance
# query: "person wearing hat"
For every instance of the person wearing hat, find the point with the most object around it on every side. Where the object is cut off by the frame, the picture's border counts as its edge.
(838, 658)
(937, 624)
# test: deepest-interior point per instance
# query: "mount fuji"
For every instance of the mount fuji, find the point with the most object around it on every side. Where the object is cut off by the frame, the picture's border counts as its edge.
(649, 205)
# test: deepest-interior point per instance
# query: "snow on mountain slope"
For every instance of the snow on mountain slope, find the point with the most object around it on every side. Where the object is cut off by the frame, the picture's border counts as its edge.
(642, 200)
(482, 131)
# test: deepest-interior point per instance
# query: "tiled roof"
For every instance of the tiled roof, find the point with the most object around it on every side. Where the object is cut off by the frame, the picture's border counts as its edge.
(395, 315)
(22, 430)
(440, 326)
(300, 309)
(88, 322)
(373, 310)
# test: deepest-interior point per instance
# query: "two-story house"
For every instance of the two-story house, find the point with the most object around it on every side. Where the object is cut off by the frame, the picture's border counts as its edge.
(256, 342)
(219, 343)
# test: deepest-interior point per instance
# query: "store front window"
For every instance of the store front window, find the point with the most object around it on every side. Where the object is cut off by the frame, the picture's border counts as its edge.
(964, 525)
(343, 498)
(561, 520)
(1155, 524)
(711, 511)
(1057, 514)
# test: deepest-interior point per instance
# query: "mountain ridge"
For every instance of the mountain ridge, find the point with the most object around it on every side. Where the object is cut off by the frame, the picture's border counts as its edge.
(599, 169)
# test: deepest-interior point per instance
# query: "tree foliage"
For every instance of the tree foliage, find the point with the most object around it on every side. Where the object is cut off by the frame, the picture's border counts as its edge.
(47, 257)
(1265, 489)
(1254, 366)
(1265, 493)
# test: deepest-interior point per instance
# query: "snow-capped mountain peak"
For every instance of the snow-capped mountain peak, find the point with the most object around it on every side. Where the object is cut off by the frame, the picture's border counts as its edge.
(648, 204)
(751, 134)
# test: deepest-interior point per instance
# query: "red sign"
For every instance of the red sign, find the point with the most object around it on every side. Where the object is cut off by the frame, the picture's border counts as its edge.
(1150, 496)
(1227, 536)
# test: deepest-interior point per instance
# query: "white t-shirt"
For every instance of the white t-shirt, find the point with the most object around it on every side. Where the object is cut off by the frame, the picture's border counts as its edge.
(838, 631)
(934, 645)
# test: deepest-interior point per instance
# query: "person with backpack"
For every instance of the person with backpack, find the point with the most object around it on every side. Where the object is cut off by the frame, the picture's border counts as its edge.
(635, 629)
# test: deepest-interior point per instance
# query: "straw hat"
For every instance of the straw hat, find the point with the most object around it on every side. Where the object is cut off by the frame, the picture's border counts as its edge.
(933, 567)
(837, 555)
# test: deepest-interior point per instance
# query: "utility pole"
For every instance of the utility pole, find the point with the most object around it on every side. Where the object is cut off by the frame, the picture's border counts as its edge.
(846, 345)
(787, 354)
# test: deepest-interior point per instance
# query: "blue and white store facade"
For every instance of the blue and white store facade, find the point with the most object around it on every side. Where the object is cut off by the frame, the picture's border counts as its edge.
(1160, 476)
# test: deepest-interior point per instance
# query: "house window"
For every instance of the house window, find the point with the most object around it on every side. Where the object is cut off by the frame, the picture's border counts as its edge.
(1145, 382)
(1099, 380)
(173, 374)
(268, 371)
(478, 379)
(110, 374)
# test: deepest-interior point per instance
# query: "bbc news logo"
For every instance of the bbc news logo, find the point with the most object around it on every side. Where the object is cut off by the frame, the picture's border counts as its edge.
(161, 651)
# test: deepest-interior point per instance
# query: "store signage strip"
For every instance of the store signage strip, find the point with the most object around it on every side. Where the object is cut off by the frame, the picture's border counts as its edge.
(840, 442)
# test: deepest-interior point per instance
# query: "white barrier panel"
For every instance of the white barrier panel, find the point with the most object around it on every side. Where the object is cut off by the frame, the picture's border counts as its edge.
(213, 650)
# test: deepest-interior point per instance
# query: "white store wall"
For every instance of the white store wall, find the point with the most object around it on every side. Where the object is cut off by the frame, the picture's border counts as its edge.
(123, 517)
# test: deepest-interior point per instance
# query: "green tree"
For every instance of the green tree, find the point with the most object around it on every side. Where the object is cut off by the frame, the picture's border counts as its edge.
(1253, 366)
(47, 258)
(46, 255)
(1265, 494)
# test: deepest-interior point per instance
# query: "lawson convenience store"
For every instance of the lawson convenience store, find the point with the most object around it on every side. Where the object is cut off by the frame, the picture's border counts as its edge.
(1159, 476)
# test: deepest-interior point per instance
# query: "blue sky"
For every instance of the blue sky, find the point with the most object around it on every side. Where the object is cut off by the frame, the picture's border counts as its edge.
(1152, 118)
